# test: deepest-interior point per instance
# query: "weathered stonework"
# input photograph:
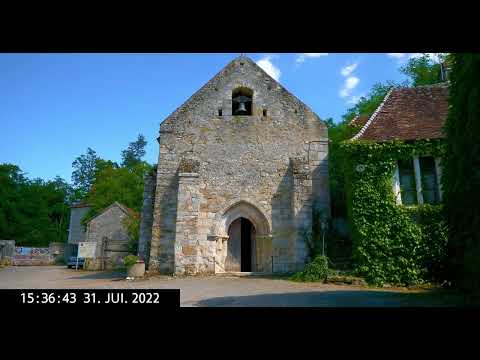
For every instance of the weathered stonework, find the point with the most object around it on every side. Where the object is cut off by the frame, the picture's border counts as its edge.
(109, 233)
(146, 220)
(269, 167)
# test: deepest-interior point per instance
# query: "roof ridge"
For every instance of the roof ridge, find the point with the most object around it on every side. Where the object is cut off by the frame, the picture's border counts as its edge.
(115, 203)
(373, 116)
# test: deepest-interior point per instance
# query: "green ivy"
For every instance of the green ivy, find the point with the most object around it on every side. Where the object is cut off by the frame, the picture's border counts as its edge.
(461, 172)
(392, 243)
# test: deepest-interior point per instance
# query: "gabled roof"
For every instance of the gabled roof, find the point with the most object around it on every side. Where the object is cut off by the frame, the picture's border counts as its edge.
(359, 120)
(122, 207)
(217, 80)
(408, 114)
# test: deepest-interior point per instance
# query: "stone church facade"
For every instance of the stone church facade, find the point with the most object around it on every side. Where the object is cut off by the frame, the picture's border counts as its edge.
(242, 165)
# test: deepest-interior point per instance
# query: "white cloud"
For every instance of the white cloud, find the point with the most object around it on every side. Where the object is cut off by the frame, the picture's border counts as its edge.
(397, 55)
(350, 83)
(347, 70)
(302, 57)
(402, 57)
(266, 64)
(354, 99)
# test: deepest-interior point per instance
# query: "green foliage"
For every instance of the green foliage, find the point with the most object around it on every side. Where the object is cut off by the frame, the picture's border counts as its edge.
(60, 260)
(130, 260)
(134, 153)
(423, 70)
(461, 174)
(391, 243)
(317, 270)
(83, 174)
(120, 183)
(113, 183)
(32, 212)
(132, 225)
(336, 134)
(367, 105)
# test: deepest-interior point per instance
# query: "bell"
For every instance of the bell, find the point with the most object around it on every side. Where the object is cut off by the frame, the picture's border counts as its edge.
(241, 108)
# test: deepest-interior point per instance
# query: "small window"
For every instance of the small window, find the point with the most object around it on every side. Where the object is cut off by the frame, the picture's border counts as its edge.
(264, 112)
(429, 180)
(219, 112)
(408, 189)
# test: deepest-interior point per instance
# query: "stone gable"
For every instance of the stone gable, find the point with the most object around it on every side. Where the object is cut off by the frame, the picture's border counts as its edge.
(269, 167)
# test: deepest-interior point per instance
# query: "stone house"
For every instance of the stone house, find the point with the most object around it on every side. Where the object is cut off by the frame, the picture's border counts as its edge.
(410, 115)
(107, 229)
(76, 231)
(242, 164)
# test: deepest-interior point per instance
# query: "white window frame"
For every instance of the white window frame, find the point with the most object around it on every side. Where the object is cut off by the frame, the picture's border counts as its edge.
(418, 180)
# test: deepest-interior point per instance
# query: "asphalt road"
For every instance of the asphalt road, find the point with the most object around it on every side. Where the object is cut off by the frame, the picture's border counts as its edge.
(225, 290)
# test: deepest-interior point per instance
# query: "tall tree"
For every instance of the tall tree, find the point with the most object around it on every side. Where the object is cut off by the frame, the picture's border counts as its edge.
(83, 174)
(135, 152)
(461, 172)
(424, 70)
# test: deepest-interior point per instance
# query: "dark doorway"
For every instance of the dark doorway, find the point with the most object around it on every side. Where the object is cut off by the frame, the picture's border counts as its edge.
(240, 251)
(246, 242)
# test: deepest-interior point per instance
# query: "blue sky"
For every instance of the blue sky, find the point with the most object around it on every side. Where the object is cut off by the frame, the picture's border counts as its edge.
(54, 106)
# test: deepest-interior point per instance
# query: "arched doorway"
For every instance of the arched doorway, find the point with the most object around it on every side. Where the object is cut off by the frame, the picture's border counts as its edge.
(257, 249)
(241, 250)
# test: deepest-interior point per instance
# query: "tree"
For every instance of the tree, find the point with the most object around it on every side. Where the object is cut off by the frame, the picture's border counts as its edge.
(369, 103)
(423, 70)
(83, 174)
(461, 172)
(32, 212)
(135, 152)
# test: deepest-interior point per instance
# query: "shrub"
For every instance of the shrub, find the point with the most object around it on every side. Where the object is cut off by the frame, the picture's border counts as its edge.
(130, 260)
(5, 261)
(317, 270)
(60, 260)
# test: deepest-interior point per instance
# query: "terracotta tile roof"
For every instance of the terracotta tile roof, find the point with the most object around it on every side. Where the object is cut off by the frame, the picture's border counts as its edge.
(408, 114)
(359, 120)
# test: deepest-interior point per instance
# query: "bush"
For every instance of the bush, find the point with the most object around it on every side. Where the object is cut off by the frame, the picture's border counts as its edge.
(5, 261)
(317, 270)
(60, 260)
(130, 260)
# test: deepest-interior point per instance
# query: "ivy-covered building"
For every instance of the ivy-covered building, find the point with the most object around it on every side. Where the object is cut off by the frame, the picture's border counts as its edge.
(410, 115)
(393, 183)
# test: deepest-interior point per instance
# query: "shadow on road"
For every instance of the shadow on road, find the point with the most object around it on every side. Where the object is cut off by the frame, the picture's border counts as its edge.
(113, 275)
(363, 298)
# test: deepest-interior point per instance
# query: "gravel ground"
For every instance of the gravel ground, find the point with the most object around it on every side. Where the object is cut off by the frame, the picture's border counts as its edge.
(225, 290)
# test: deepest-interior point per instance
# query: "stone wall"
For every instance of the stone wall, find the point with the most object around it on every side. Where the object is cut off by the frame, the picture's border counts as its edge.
(76, 231)
(104, 229)
(146, 221)
(213, 169)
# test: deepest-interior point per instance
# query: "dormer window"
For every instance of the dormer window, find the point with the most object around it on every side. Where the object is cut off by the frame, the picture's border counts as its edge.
(242, 101)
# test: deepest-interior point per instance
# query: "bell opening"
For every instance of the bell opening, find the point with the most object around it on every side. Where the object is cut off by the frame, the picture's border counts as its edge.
(242, 101)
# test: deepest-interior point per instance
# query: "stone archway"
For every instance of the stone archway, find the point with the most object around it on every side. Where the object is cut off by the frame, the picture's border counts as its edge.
(261, 237)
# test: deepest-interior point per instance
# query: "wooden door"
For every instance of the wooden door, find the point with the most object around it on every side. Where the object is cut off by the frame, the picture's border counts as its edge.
(234, 250)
